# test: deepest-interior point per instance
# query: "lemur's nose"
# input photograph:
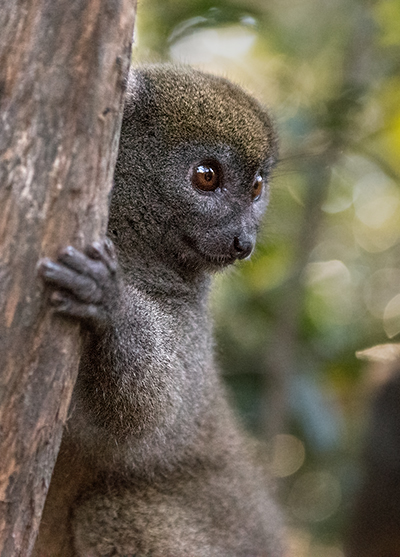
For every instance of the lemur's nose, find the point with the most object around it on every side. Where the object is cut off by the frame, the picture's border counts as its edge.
(242, 247)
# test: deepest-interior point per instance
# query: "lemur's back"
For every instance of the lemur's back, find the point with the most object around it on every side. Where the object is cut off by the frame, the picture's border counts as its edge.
(156, 463)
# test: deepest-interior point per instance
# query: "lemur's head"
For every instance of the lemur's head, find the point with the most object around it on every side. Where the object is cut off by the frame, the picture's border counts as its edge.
(191, 180)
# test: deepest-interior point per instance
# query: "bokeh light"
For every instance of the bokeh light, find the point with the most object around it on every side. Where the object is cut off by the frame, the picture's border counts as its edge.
(288, 455)
(315, 496)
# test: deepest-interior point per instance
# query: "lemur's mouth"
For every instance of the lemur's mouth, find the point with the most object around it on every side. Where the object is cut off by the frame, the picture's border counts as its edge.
(216, 260)
(220, 260)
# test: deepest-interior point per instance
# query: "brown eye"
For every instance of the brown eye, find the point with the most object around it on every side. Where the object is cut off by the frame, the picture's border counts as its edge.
(205, 178)
(257, 188)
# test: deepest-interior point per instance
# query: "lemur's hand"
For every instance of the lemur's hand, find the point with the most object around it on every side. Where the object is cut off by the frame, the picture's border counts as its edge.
(83, 285)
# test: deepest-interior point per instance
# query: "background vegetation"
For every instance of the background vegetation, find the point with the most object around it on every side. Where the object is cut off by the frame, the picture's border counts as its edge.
(325, 280)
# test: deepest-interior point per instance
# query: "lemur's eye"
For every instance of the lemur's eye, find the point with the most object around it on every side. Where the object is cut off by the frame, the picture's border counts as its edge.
(206, 177)
(257, 188)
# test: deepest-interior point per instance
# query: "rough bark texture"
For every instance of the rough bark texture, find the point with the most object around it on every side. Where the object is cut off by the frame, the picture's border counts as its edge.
(62, 68)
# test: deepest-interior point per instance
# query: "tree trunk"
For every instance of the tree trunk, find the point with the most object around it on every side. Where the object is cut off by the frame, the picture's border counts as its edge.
(62, 69)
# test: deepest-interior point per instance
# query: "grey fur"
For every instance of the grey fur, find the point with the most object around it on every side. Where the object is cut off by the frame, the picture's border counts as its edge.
(166, 470)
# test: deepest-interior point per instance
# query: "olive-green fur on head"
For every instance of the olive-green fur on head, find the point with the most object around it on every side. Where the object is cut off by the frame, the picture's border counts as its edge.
(184, 104)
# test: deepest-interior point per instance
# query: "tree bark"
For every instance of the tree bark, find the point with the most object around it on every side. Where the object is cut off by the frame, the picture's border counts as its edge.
(62, 70)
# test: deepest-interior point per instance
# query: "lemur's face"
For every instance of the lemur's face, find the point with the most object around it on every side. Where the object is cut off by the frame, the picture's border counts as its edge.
(192, 172)
(217, 203)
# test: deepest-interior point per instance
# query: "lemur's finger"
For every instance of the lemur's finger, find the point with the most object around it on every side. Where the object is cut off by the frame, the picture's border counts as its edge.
(103, 251)
(58, 275)
(74, 259)
(65, 305)
(97, 269)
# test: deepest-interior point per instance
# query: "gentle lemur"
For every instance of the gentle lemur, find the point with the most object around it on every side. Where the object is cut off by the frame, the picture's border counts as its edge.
(153, 462)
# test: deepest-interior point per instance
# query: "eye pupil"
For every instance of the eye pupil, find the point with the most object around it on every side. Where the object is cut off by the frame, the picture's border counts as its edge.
(257, 188)
(206, 177)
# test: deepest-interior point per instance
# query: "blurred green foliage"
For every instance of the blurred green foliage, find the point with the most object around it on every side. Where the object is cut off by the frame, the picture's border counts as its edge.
(325, 279)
